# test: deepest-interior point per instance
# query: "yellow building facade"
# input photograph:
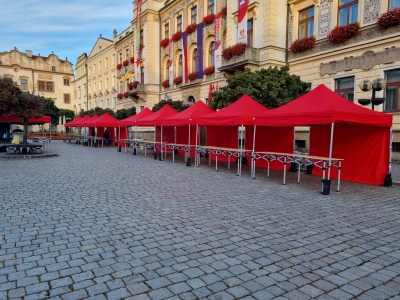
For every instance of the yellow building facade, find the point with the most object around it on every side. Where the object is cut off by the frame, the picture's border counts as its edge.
(79, 85)
(48, 76)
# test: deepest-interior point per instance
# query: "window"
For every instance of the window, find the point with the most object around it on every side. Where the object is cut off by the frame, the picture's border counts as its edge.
(95, 104)
(106, 64)
(106, 83)
(80, 93)
(210, 7)
(142, 75)
(306, 22)
(115, 102)
(113, 80)
(396, 147)
(180, 66)
(211, 51)
(348, 12)
(101, 103)
(166, 31)
(300, 144)
(100, 48)
(24, 84)
(94, 68)
(113, 59)
(108, 103)
(345, 87)
(127, 54)
(99, 66)
(193, 13)
(141, 36)
(392, 94)
(250, 33)
(120, 57)
(67, 99)
(49, 87)
(100, 85)
(194, 60)
(89, 71)
(53, 69)
(66, 81)
(394, 3)
(179, 23)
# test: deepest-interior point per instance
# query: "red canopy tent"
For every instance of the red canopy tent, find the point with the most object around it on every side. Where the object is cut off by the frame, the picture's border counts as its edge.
(225, 133)
(73, 122)
(15, 120)
(184, 119)
(103, 122)
(360, 136)
(80, 123)
(91, 122)
(131, 121)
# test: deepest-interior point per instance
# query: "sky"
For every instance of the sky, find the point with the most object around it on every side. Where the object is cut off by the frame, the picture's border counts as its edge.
(69, 27)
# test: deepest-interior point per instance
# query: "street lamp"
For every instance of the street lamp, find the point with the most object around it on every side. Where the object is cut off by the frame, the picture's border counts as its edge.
(377, 85)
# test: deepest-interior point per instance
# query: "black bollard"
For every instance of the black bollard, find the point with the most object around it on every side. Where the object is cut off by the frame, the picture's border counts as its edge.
(326, 186)
(160, 156)
(309, 169)
(293, 167)
(119, 148)
(134, 150)
(188, 162)
(95, 144)
(388, 180)
(155, 155)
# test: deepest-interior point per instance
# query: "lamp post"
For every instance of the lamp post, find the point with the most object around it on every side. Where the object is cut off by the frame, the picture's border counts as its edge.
(376, 85)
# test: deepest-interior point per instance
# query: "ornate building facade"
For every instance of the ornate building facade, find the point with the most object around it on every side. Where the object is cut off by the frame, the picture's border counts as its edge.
(79, 85)
(48, 76)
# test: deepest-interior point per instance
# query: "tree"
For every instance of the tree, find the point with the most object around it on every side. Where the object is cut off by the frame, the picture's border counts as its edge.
(49, 109)
(13, 102)
(125, 113)
(177, 105)
(68, 113)
(271, 87)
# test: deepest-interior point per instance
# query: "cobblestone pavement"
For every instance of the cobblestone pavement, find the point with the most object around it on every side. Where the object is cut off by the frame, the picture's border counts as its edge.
(94, 223)
(396, 170)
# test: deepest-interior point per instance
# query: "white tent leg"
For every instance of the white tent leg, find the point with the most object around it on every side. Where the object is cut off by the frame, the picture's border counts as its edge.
(196, 162)
(253, 160)
(390, 150)
(330, 152)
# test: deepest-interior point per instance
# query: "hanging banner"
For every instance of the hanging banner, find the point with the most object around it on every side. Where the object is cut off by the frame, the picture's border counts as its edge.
(185, 75)
(218, 42)
(242, 21)
(200, 50)
(170, 62)
(138, 54)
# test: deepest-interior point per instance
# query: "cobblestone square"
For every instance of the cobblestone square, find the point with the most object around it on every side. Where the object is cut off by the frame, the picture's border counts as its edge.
(94, 223)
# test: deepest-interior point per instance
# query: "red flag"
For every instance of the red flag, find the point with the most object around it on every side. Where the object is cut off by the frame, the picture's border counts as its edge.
(210, 91)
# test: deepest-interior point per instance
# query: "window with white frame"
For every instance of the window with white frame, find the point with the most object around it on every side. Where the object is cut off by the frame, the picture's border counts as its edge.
(345, 87)
(348, 12)
(306, 22)
(392, 92)
(394, 3)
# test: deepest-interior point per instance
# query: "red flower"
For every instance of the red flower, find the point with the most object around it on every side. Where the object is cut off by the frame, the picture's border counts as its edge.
(340, 34)
(119, 96)
(141, 46)
(209, 70)
(390, 18)
(178, 80)
(209, 19)
(193, 75)
(234, 50)
(125, 63)
(165, 83)
(132, 85)
(164, 43)
(176, 36)
(303, 44)
(223, 11)
(126, 94)
(132, 60)
(191, 28)
(119, 66)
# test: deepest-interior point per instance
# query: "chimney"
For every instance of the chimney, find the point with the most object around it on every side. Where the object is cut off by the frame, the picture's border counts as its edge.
(29, 53)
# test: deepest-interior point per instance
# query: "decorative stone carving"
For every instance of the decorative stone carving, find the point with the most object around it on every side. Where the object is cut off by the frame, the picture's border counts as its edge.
(195, 93)
(366, 61)
(366, 35)
(324, 19)
(290, 30)
(371, 11)
(181, 6)
(43, 76)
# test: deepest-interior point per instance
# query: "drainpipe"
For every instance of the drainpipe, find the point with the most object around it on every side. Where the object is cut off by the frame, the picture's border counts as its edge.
(33, 81)
(161, 67)
(287, 34)
(87, 88)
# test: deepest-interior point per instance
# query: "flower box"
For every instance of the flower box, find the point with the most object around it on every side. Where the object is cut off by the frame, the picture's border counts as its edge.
(209, 70)
(191, 28)
(176, 36)
(126, 94)
(193, 76)
(125, 63)
(340, 34)
(234, 50)
(209, 19)
(119, 96)
(164, 43)
(178, 80)
(303, 44)
(119, 66)
(390, 18)
(132, 85)
(165, 83)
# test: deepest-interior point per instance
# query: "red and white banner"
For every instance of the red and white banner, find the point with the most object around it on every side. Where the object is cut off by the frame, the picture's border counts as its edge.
(170, 62)
(217, 42)
(242, 21)
(138, 54)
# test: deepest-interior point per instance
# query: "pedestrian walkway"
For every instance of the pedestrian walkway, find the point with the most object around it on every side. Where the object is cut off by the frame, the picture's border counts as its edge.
(94, 223)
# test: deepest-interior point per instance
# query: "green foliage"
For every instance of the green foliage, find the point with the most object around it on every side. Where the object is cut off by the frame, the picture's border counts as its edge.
(177, 105)
(125, 113)
(49, 109)
(68, 113)
(97, 111)
(271, 87)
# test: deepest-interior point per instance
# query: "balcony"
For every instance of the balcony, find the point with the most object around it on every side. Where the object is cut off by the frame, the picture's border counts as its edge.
(129, 68)
(138, 92)
(251, 56)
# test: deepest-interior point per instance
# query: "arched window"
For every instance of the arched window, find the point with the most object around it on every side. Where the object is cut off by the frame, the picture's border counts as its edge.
(180, 66)
(194, 60)
(211, 51)
(166, 70)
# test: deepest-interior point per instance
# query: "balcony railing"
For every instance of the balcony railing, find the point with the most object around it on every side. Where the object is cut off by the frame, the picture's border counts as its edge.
(249, 56)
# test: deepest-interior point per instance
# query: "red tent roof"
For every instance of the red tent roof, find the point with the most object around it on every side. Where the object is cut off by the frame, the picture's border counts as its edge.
(238, 113)
(189, 115)
(80, 122)
(157, 118)
(106, 121)
(15, 120)
(131, 121)
(73, 122)
(90, 123)
(322, 106)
